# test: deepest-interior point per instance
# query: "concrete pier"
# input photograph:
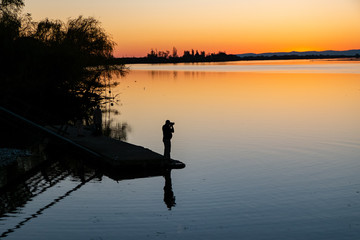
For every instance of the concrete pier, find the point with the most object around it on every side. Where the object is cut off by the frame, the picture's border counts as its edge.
(108, 151)
(119, 153)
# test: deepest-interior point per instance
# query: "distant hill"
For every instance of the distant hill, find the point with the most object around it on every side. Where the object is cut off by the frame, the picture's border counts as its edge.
(349, 53)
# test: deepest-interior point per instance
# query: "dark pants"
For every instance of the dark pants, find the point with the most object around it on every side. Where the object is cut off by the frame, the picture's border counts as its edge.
(167, 148)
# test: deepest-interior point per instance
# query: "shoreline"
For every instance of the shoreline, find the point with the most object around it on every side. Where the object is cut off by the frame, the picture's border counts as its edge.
(231, 58)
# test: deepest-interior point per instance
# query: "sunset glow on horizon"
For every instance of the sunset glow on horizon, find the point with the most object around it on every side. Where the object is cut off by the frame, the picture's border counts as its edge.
(232, 26)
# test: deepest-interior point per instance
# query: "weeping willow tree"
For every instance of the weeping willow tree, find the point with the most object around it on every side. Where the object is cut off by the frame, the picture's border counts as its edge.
(10, 25)
(53, 71)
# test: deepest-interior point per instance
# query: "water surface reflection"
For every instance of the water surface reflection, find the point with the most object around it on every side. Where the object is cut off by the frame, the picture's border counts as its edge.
(270, 154)
(19, 186)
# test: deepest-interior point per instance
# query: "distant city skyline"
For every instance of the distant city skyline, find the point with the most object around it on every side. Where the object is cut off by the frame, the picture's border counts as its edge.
(231, 26)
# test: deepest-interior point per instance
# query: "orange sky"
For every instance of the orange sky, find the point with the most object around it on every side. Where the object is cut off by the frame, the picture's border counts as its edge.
(233, 26)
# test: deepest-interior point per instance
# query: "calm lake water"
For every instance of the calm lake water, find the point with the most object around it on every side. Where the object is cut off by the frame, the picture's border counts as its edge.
(272, 151)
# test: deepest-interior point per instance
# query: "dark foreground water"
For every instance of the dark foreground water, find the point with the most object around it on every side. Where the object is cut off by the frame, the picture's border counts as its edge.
(272, 152)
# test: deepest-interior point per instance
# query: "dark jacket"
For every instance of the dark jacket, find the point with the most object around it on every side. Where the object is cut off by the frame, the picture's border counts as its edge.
(167, 131)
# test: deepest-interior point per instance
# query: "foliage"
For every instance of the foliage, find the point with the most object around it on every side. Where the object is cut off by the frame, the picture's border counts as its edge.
(50, 70)
(10, 6)
(156, 56)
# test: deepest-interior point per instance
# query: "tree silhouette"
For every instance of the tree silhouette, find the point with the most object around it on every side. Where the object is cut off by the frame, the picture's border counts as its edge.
(174, 53)
(53, 71)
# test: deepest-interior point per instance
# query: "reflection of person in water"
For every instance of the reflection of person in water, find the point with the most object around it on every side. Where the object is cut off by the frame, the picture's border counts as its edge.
(169, 197)
(168, 130)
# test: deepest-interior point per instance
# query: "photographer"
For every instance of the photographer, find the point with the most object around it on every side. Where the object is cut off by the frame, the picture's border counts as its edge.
(168, 130)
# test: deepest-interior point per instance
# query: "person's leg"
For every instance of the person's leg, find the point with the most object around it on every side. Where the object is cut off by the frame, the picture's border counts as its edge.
(167, 148)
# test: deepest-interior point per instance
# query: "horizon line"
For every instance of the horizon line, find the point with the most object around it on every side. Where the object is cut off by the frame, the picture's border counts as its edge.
(271, 52)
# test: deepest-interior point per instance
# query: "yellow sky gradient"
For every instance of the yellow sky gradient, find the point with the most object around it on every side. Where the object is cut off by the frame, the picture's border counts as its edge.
(233, 26)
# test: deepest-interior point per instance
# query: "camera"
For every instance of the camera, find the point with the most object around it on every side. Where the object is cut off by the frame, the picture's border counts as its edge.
(169, 123)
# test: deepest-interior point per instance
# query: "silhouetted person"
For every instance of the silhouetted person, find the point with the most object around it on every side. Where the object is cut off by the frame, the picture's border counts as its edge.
(169, 197)
(97, 120)
(168, 130)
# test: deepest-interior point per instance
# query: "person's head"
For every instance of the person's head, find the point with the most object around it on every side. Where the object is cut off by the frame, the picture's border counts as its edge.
(169, 123)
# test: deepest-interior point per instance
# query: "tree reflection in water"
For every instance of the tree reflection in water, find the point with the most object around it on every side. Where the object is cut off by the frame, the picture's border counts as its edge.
(42, 173)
